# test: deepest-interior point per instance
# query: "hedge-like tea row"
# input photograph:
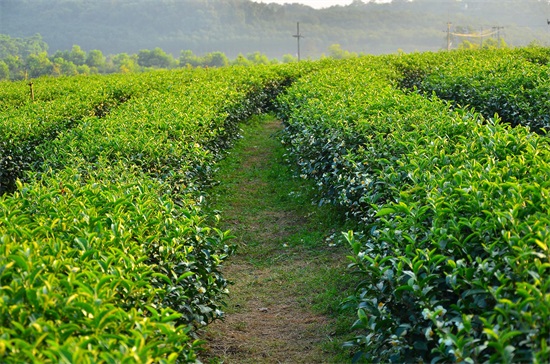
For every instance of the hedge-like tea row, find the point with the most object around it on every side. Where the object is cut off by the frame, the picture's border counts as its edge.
(59, 105)
(174, 131)
(87, 263)
(515, 83)
(106, 252)
(455, 213)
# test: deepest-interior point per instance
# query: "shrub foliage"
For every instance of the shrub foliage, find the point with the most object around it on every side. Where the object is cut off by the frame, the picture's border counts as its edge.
(107, 253)
(454, 206)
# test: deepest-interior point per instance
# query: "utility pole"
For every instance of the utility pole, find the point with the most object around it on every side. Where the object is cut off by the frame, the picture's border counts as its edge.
(481, 38)
(498, 34)
(449, 35)
(298, 36)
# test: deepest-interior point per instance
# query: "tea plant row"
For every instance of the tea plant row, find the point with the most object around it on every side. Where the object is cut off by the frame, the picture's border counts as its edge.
(453, 244)
(513, 83)
(58, 105)
(107, 253)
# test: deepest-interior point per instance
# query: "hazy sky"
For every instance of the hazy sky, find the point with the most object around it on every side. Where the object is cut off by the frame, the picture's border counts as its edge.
(313, 3)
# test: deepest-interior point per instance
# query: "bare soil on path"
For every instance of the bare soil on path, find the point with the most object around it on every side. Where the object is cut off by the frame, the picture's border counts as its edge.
(277, 311)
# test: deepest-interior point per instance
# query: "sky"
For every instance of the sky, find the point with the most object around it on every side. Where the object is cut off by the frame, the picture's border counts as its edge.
(318, 4)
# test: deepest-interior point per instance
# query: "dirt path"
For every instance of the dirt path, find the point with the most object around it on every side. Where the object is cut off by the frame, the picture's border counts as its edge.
(282, 267)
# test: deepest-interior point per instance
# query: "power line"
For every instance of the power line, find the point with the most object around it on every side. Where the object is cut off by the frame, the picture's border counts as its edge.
(481, 34)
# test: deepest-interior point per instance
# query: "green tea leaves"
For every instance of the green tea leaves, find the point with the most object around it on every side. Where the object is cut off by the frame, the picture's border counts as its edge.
(454, 205)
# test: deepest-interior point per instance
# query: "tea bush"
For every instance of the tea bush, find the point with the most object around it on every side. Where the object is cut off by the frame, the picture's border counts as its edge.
(59, 105)
(107, 253)
(454, 210)
(90, 265)
(511, 83)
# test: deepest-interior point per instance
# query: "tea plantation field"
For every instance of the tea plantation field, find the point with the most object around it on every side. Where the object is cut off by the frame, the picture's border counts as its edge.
(108, 254)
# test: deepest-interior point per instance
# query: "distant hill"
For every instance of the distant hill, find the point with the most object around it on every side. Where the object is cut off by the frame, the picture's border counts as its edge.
(242, 26)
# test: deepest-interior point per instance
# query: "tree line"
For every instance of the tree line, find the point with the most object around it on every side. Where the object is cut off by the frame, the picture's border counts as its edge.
(22, 58)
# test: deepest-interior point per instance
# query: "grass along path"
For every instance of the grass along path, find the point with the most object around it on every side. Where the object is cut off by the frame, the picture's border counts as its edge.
(289, 272)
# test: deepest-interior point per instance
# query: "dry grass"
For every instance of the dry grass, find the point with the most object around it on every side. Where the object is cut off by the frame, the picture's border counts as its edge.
(266, 323)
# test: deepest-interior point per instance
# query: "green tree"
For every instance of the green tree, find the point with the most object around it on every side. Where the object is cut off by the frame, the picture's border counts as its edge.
(466, 44)
(156, 58)
(241, 60)
(493, 43)
(257, 58)
(4, 71)
(95, 59)
(125, 63)
(16, 66)
(32, 45)
(66, 55)
(335, 51)
(39, 64)
(63, 67)
(189, 59)
(83, 70)
(8, 46)
(215, 59)
(77, 56)
(289, 58)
